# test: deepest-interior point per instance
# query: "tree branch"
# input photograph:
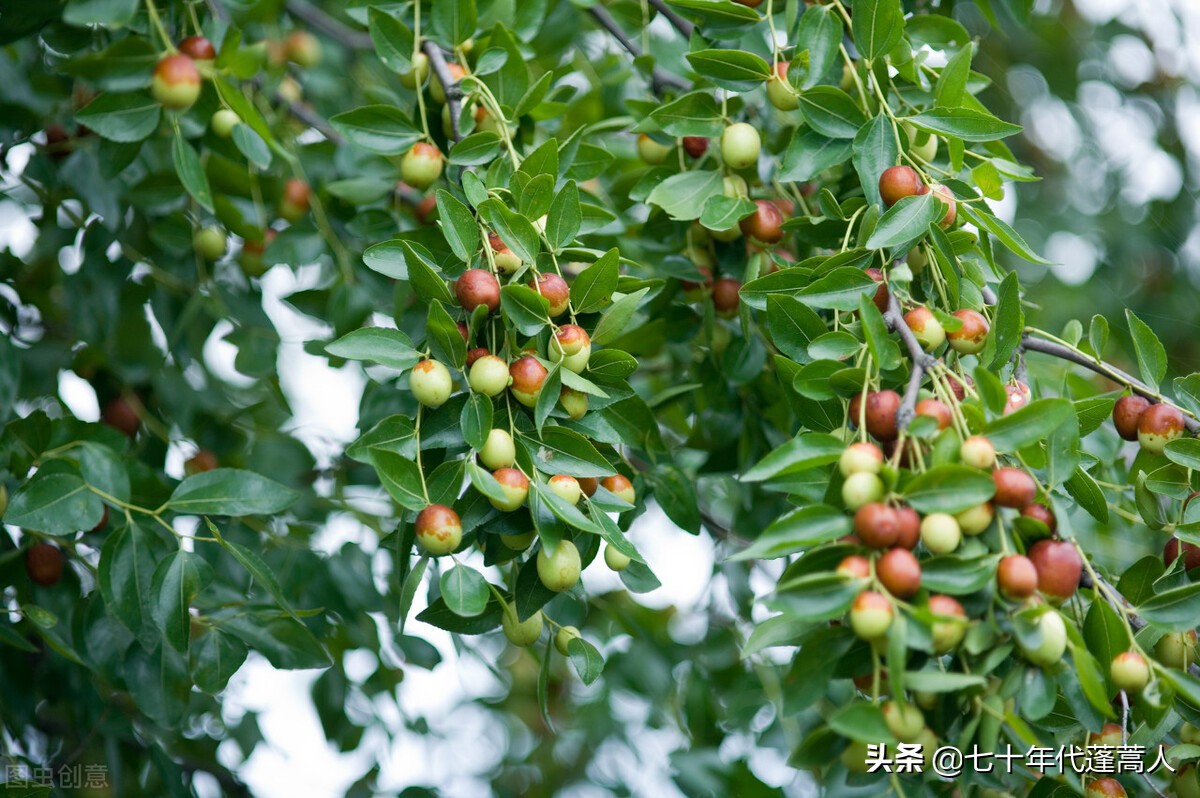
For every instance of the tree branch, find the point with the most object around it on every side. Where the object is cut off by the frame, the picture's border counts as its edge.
(922, 361)
(1033, 344)
(659, 79)
(335, 29)
(680, 24)
(450, 86)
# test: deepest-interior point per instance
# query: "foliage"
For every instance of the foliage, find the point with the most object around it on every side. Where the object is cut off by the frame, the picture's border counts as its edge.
(746, 298)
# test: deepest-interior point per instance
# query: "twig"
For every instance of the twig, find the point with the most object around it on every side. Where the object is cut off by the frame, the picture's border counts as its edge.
(680, 24)
(1105, 590)
(218, 11)
(922, 361)
(1034, 344)
(333, 28)
(659, 80)
(450, 86)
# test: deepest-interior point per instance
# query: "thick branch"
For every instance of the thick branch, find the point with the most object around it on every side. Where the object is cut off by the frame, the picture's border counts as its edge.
(659, 79)
(335, 29)
(449, 85)
(679, 23)
(1033, 344)
(922, 361)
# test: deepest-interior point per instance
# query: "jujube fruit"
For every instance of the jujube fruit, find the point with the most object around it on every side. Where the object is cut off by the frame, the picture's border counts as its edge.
(620, 486)
(871, 615)
(504, 258)
(1043, 514)
(176, 82)
(488, 375)
(422, 165)
(726, 296)
(616, 560)
(430, 383)
(1190, 552)
(211, 243)
(559, 571)
(44, 564)
(515, 486)
(198, 48)
(860, 489)
(295, 199)
(1014, 488)
(765, 225)
(120, 415)
(905, 721)
(1017, 577)
(555, 290)
(975, 520)
(1159, 425)
(876, 525)
(566, 488)
(563, 638)
(909, 528)
(941, 533)
(651, 151)
(695, 146)
(1130, 671)
(498, 450)
(528, 377)
(854, 566)
(947, 632)
(1127, 412)
(900, 572)
(935, 409)
(1052, 641)
(574, 402)
(971, 337)
(898, 182)
(861, 457)
(1059, 567)
(740, 145)
(436, 90)
(477, 287)
(925, 327)
(302, 48)
(520, 633)
(978, 452)
(779, 90)
(438, 529)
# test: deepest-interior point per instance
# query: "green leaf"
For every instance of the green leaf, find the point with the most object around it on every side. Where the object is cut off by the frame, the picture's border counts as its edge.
(952, 80)
(809, 153)
(839, 289)
(104, 469)
(586, 659)
(55, 503)
(1185, 452)
(548, 398)
(214, 657)
(817, 597)
(796, 531)
(177, 581)
(820, 33)
(1175, 610)
(250, 144)
(1030, 424)
(949, 489)
(285, 642)
(109, 13)
(860, 720)
(694, 114)
(612, 323)
(191, 172)
(392, 39)
(476, 420)
(514, 230)
(682, 196)
(593, 288)
(524, 308)
(1008, 322)
(439, 615)
(124, 118)
(1151, 356)
(967, 124)
(831, 112)
(675, 493)
(230, 491)
(877, 26)
(381, 345)
(441, 334)
(454, 19)
(735, 70)
(465, 591)
(458, 225)
(378, 128)
(985, 220)
(1084, 490)
(723, 213)
(125, 573)
(942, 681)
(256, 567)
(400, 478)
(476, 149)
(906, 221)
(805, 451)
(565, 217)
(564, 451)
(874, 151)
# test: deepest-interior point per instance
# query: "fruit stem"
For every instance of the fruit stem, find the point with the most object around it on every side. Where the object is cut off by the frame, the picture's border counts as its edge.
(157, 22)
(417, 438)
